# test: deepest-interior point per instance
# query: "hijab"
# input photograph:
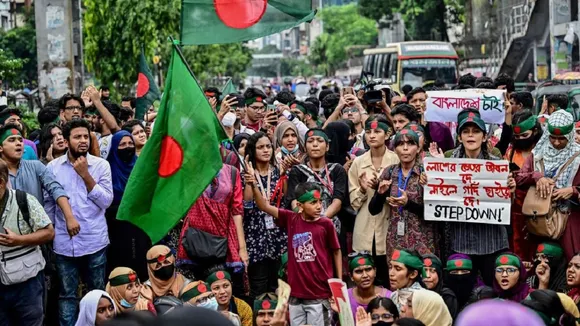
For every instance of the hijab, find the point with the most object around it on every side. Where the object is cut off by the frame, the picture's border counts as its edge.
(159, 287)
(570, 307)
(116, 292)
(520, 290)
(553, 158)
(279, 134)
(558, 265)
(429, 307)
(498, 313)
(461, 284)
(338, 133)
(120, 170)
(238, 139)
(88, 307)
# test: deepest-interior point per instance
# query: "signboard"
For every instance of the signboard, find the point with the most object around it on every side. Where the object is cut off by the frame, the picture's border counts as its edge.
(428, 63)
(467, 190)
(443, 106)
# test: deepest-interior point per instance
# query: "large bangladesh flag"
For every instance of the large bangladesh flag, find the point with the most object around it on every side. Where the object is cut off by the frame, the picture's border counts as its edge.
(147, 91)
(179, 160)
(231, 21)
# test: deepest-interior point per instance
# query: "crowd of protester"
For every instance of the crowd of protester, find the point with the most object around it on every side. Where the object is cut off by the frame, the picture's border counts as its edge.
(314, 189)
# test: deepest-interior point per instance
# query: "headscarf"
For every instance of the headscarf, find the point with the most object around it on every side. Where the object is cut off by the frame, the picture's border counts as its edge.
(521, 289)
(560, 123)
(120, 170)
(461, 284)
(498, 313)
(429, 307)
(116, 291)
(159, 287)
(558, 264)
(338, 133)
(238, 139)
(88, 307)
(430, 260)
(570, 307)
(279, 134)
(193, 290)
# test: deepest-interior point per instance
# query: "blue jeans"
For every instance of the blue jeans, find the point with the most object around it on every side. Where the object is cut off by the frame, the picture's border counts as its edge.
(21, 304)
(92, 270)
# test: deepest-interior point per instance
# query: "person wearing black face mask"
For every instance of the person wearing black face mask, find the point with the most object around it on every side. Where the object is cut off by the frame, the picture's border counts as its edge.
(526, 134)
(383, 311)
(163, 280)
(123, 235)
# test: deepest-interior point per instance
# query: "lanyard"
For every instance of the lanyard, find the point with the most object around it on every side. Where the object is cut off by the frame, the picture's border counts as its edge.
(265, 193)
(328, 184)
(401, 185)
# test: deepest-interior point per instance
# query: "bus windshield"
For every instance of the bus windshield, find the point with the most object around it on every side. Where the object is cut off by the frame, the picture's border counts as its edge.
(416, 72)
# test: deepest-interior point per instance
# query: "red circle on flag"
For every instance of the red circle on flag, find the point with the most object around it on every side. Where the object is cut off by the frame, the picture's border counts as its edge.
(542, 119)
(557, 131)
(311, 133)
(428, 262)
(220, 275)
(374, 124)
(161, 258)
(414, 127)
(458, 263)
(266, 305)
(517, 130)
(171, 157)
(504, 260)
(396, 255)
(404, 132)
(202, 288)
(14, 131)
(132, 277)
(471, 115)
(361, 261)
(316, 194)
(142, 85)
(240, 14)
(541, 248)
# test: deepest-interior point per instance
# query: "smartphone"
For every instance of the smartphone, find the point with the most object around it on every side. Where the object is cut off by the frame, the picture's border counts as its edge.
(271, 107)
(348, 90)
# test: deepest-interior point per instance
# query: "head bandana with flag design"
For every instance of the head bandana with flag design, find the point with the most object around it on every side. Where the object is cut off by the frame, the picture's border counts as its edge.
(309, 196)
(218, 276)
(9, 133)
(559, 122)
(360, 260)
(264, 305)
(550, 249)
(407, 259)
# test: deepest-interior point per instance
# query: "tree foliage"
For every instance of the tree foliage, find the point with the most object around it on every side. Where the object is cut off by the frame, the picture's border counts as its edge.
(19, 45)
(9, 67)
(115, 30)
(343, 27)
(424, 19)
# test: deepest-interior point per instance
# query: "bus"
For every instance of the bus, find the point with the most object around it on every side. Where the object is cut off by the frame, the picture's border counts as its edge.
(412, 63)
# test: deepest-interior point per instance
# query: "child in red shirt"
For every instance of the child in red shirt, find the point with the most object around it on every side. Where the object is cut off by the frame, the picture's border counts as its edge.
(313, 252)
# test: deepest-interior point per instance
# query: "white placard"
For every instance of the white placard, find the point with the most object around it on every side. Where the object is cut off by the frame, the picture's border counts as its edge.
(443, 106)
(467, 190)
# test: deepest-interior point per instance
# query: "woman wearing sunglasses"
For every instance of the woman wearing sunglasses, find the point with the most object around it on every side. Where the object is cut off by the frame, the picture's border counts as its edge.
(510, 278)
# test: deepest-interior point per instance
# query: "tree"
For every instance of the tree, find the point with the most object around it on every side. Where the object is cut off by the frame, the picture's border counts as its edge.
(343, 28)
(115, 31)
(20, 43)
(424, 19)
(9, 67)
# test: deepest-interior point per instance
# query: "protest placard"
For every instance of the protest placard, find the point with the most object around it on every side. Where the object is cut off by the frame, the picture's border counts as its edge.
(340, 296)
(467, 190)
(443, 106)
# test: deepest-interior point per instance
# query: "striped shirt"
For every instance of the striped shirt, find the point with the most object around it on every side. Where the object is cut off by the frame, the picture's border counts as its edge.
(478, 239)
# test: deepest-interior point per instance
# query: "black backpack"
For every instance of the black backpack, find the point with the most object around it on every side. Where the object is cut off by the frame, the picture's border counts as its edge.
(47, 253)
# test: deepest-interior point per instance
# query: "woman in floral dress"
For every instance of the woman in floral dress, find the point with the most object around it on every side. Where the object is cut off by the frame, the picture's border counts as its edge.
(265, 241)
(400, 183)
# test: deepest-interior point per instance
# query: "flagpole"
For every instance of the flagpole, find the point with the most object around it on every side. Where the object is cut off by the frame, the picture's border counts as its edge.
(178, 49)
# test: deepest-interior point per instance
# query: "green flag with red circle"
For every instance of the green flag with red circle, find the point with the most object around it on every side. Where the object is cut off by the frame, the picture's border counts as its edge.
(147, 91)
(180, 158)
(232, 21)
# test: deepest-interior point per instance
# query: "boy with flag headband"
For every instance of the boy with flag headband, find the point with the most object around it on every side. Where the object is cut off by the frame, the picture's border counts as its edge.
(14, 116)
(255, 108)
(264, 309)
(313, 253)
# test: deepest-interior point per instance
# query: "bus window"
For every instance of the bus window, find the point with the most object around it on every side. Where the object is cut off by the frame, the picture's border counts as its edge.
(366, 63)
(392, 72)
(369, 68)
(385, 67)
(378, 65)
(417, 72)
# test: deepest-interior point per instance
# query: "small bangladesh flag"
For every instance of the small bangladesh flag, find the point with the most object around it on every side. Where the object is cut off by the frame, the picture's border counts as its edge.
(232, 21)
(147, 91)
(180, 159)
(228, 88)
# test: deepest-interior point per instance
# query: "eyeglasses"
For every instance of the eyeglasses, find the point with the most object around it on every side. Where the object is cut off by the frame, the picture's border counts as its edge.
(72, 108)
(383, 317)
(510, 270)
(258, 108)
(350, 110)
